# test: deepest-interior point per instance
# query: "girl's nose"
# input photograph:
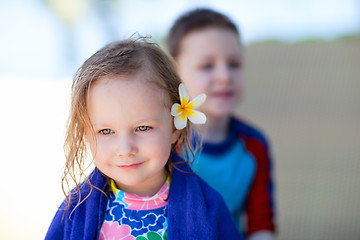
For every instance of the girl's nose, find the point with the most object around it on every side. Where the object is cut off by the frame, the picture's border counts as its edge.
(126, 146)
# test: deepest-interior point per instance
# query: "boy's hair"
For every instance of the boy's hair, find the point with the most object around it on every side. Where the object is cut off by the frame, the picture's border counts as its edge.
(195, 20)
(124, 58)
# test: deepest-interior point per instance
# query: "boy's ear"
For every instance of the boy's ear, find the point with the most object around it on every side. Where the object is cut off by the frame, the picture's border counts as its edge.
(175, 135)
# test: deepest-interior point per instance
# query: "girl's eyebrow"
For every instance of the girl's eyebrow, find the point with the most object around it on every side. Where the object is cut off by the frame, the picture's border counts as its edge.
(148, 121)
(139, 122)
(99, 126)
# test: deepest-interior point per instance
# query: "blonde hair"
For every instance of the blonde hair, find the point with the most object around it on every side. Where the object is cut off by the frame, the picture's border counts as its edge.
(123, 58)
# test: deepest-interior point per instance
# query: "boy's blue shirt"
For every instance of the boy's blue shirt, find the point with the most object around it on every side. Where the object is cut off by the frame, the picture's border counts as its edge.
(195, 210)
(240, 168)
(234, 168)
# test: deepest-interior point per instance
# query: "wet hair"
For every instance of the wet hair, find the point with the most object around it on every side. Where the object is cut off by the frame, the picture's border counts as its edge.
(121, 58)
(194, 20)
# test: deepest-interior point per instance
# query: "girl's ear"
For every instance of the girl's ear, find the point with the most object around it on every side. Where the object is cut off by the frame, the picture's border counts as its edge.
(175, 135)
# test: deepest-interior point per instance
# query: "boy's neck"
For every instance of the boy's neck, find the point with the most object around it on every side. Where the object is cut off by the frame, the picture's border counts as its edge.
(215, 130)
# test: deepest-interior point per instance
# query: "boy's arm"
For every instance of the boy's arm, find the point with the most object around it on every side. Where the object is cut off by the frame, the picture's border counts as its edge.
(260, 203)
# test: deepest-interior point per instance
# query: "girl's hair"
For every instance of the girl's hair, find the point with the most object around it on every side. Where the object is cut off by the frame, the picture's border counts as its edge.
(195, 20)
(125, 58)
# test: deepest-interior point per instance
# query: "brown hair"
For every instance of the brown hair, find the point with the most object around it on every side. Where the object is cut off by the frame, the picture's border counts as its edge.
(195, 20)
(123, 58)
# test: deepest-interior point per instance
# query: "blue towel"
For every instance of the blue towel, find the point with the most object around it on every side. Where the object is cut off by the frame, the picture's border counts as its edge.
(195, 210)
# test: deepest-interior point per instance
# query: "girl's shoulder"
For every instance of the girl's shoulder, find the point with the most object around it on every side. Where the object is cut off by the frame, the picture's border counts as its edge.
(87, 200)
(88, 191)
(95, 181)
(196, 203)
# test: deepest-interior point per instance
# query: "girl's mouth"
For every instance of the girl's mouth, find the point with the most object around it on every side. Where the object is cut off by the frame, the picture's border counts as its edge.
(130, 166)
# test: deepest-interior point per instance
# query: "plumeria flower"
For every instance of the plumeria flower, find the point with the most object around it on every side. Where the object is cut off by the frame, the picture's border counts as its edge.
(186, 109)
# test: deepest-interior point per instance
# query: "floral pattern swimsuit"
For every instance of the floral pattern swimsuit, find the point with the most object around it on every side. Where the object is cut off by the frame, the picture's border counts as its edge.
(134, 217)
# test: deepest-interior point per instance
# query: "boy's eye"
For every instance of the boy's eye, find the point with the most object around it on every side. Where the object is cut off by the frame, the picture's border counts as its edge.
(142, 128)
(207, 66)
(106, 131)
(234, 64)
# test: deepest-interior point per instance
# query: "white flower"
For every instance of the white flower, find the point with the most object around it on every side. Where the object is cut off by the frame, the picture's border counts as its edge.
(186, 110)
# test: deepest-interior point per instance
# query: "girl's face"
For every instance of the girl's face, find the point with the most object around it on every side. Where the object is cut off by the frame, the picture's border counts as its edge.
(133, 132)
(210, 62)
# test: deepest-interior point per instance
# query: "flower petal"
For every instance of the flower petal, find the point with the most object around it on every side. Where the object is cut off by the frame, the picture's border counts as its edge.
(196, 116)
(176, 109)
(180, 122)
(184, 94)
(197, 101)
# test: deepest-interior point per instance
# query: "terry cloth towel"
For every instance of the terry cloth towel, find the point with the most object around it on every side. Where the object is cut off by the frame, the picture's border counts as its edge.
(195, 210)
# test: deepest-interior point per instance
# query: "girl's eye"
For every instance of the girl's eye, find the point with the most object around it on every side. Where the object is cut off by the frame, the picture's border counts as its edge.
(142, 128)
(106, 131)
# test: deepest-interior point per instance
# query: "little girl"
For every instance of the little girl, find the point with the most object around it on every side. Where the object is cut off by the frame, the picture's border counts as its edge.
(122, 103)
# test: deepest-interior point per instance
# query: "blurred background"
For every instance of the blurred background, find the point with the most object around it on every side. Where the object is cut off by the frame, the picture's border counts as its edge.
(303, 89)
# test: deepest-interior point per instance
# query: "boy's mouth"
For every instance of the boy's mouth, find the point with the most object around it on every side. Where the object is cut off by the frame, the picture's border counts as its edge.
(223, 94)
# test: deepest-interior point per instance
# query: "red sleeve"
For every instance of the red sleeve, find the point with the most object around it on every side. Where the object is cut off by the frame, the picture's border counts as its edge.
(259, 206)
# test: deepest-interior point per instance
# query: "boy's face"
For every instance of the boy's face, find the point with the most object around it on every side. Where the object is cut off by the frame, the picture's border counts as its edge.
(210, 62)
(133, 132)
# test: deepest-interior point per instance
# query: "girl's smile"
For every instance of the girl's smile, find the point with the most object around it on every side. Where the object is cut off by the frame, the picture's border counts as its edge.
(130, 166)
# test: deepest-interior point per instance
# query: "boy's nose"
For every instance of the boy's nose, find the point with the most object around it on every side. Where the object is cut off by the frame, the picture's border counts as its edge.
(223, 74)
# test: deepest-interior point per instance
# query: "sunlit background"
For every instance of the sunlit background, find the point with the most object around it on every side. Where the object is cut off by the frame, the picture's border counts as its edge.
(303, 90)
